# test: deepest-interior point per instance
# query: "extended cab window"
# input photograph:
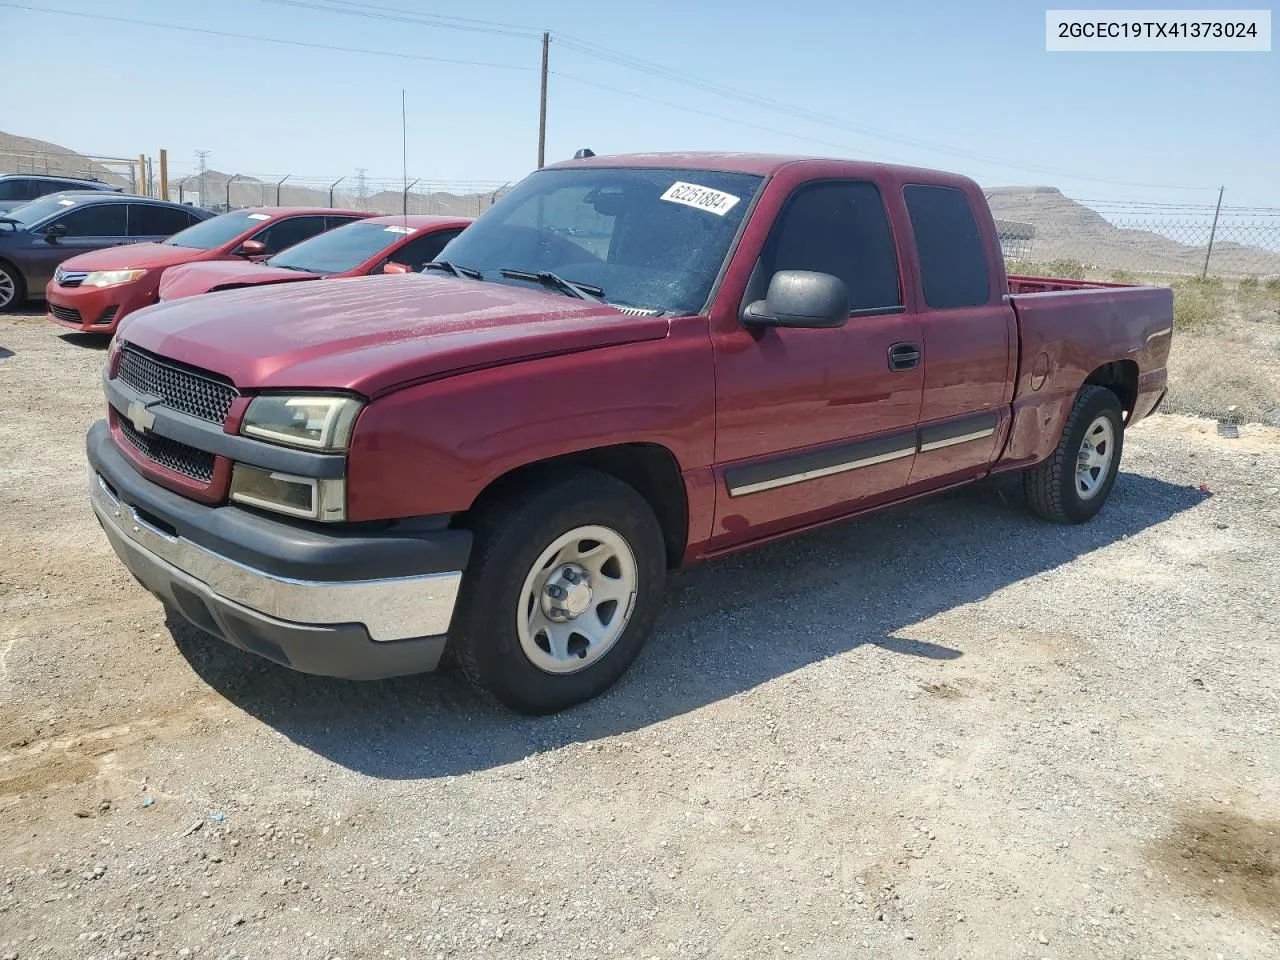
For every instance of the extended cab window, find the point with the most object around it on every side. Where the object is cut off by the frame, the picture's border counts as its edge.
(840, 228)
(953, 259)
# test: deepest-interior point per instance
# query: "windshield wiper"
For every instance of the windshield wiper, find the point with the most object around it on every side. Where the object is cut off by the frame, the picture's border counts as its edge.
(583, 291)
(470, 273)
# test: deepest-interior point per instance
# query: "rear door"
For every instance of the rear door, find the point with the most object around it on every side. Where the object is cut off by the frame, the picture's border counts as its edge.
(813, 422)
(970, 337)
(91, 226)
(149, 222)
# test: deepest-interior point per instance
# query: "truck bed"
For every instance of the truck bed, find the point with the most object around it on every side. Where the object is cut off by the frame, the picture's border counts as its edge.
(1019, 284)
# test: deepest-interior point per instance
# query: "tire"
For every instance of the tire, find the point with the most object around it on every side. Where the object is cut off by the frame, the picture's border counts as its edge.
(1063, 488)
(12, 289)
(509, 634)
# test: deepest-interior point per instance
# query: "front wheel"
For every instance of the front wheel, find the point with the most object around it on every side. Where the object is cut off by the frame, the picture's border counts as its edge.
(11, 287)
(563, 588)
(1073, 484)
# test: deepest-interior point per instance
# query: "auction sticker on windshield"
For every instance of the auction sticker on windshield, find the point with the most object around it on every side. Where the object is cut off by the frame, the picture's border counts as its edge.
(700, 198)
(399, 230)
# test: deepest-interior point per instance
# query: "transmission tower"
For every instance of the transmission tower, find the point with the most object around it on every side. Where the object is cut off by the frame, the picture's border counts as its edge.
(362, 188)
(202, 157)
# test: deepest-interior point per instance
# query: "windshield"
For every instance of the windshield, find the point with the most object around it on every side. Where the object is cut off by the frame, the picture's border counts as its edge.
(649, 238)
(213, 233)
(340, 250)
(37, 210)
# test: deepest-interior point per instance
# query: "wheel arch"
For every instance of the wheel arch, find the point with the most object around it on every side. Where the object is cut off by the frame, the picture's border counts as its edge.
(649, 468)
(1121, 378)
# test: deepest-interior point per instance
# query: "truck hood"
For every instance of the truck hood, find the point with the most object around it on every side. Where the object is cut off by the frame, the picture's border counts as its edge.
(190, 279)
(131, 256)
(374, 334)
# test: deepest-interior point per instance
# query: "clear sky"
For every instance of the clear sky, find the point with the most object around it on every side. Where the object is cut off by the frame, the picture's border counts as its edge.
(964, 86)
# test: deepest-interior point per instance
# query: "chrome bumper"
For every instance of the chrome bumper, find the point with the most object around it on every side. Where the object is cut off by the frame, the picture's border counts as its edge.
(389, 609)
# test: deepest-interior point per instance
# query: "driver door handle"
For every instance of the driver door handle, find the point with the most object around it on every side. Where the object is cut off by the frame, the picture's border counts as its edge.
(904, 356)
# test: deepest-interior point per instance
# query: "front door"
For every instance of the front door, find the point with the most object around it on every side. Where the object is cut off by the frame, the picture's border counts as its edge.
(809, 422)
(89, 227)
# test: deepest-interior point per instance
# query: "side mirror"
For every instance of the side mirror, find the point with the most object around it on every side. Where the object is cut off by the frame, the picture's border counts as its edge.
(54, 231)
(392, 267)
(800, 298)
(252, 248)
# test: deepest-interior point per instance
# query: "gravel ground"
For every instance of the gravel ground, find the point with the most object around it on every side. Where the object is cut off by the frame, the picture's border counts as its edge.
(948, 730)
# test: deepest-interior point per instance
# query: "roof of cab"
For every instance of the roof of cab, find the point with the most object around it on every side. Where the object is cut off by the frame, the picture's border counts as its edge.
(761, 164)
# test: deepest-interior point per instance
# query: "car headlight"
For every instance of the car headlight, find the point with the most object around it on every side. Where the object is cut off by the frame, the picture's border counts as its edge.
(315, 422)
(110, 278)
(305, 497)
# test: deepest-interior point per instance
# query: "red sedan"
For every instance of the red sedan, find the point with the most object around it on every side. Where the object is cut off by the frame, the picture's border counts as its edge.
(95, 291)
(379, 244)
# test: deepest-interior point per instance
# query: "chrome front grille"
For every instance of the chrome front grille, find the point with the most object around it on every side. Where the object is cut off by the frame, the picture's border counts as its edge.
(171, 454)
(187, 390)
(69, 278)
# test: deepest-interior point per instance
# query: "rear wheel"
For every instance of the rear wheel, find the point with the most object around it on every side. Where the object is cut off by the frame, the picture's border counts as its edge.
(1073, 484)
(562, 590)
(12, 291)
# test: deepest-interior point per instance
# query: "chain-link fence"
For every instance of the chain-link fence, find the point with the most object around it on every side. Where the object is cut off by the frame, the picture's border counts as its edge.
(1224, 268)
(221, 192)
(116, 171)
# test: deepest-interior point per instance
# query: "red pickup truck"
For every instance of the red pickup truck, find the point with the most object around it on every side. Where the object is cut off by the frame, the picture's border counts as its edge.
(628, 364)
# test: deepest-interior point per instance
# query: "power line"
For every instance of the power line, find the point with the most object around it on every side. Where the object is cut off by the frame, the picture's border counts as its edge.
(651, 69)
(434, 20)
(277, 40)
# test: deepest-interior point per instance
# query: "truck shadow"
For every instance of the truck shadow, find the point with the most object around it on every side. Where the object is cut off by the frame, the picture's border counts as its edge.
(728, 626)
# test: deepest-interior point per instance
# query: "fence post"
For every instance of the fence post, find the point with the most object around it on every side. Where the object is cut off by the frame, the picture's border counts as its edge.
(233, 179)
(331, 186)
(405, 205)
(1212, 232)
(280, 184)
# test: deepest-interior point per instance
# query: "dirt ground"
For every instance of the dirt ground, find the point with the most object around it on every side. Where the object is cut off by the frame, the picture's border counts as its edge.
(949, 730)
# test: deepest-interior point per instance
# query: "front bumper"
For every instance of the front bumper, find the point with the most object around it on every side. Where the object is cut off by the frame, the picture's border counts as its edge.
(95, 309)
(356, 605)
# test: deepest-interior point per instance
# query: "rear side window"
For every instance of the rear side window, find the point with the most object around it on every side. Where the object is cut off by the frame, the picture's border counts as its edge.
(95, 220)
(953, 260)
(840, 228)
(285, 233)
(146, 220)
(420, 251)
(331, 222)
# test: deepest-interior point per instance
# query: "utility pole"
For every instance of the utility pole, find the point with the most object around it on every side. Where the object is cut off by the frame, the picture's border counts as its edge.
(1212, 232)
(202, 157)
(164, 174)
(542, 103)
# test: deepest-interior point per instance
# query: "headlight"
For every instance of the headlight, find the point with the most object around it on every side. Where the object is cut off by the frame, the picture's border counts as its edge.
(113, 355)
(317, 423)
(110, 278)
(284, 493)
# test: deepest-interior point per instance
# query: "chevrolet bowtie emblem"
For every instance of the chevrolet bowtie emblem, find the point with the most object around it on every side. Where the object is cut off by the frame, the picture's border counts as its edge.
(141, 418)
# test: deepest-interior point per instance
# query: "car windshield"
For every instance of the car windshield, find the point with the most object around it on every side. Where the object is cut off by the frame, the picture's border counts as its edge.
(37, 210)
(341, 249)
(650, 238)
(214, 232)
